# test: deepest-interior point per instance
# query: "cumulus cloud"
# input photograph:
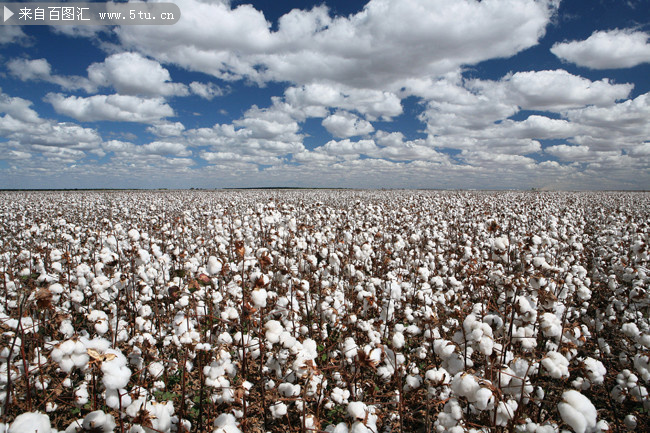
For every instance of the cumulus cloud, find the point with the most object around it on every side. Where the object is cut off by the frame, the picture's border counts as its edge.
(167, 129)
(394, 40)
(122, 108)
(133, 74)
(170, 148)
(612, 49)
(555, 90)
(128, 73)
(41, 70)
(11, 34)
(343, 124)
(313, 100)
(207, 91)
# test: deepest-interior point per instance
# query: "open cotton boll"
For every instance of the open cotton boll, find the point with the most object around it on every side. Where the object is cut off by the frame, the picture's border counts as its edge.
(278, 409)
(31, 422)
(556, 365)
(551, 325)
(398, 340)
(596, 371)
(156, 369)
(273, 331)
(214, 266)
(289, 389)
(226, 423)
(338, 428)
(357, 410)
(99, 422)
(578, 412)
(258, 297)
(116, 373)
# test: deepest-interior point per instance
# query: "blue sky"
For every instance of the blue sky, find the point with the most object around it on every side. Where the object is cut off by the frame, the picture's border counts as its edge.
(496, 94)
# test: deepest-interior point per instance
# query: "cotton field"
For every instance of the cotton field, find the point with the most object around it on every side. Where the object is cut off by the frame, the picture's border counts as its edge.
(336, 311)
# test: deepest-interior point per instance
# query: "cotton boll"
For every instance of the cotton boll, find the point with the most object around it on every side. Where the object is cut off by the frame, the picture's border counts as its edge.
(289, 390)
(273, 331)
(113, 397)
(339, 428)
(156, 369)
(556, 365)
(578, 412)
(484, 399)
(551, 325)
(214, 266)
(116, 373)
(99, 422)
(258, 297)
(278, 409)
(505, 412)
(357, 410)
(630, 422)
(595, 370)
(398, 340)
(340, 396)
(31, 422)
(226, 423)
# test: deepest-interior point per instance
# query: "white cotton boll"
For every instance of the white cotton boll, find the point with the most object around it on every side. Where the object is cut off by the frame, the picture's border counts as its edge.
(156, 369)
(595, 370)
(81, 395)
(350, 348)
(357, 410)
(224, 338)
(551, 325)
(77, 296)
(99, 422)
(258, 297)
(578, 412)
(113, 397)
(412, 382)
(214, 265)
(484, 399)
(465, 385)
(134, 235)
(398, 340)
(116, 373)
(289, 390)
(226, 423)
(631, 330)
(339, 428)
(505, 412)
(273, 331)
(31, 422)
(278, 409)
(630, 422)
(556, 365)
(340, 396)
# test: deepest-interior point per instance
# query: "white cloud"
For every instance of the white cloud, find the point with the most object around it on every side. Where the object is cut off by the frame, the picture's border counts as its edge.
(343, 124)
(166, 148)
(11, 34)
(312, 100)
(132, 74)
(121, 108)
(167, 129)
(552, 90)
(18, 109)
(611, 49)
(207, 91)
(394, 40)
(348, 147)
(41, 70)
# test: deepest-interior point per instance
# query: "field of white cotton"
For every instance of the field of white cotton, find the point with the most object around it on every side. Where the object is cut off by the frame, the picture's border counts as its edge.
(324, 311)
